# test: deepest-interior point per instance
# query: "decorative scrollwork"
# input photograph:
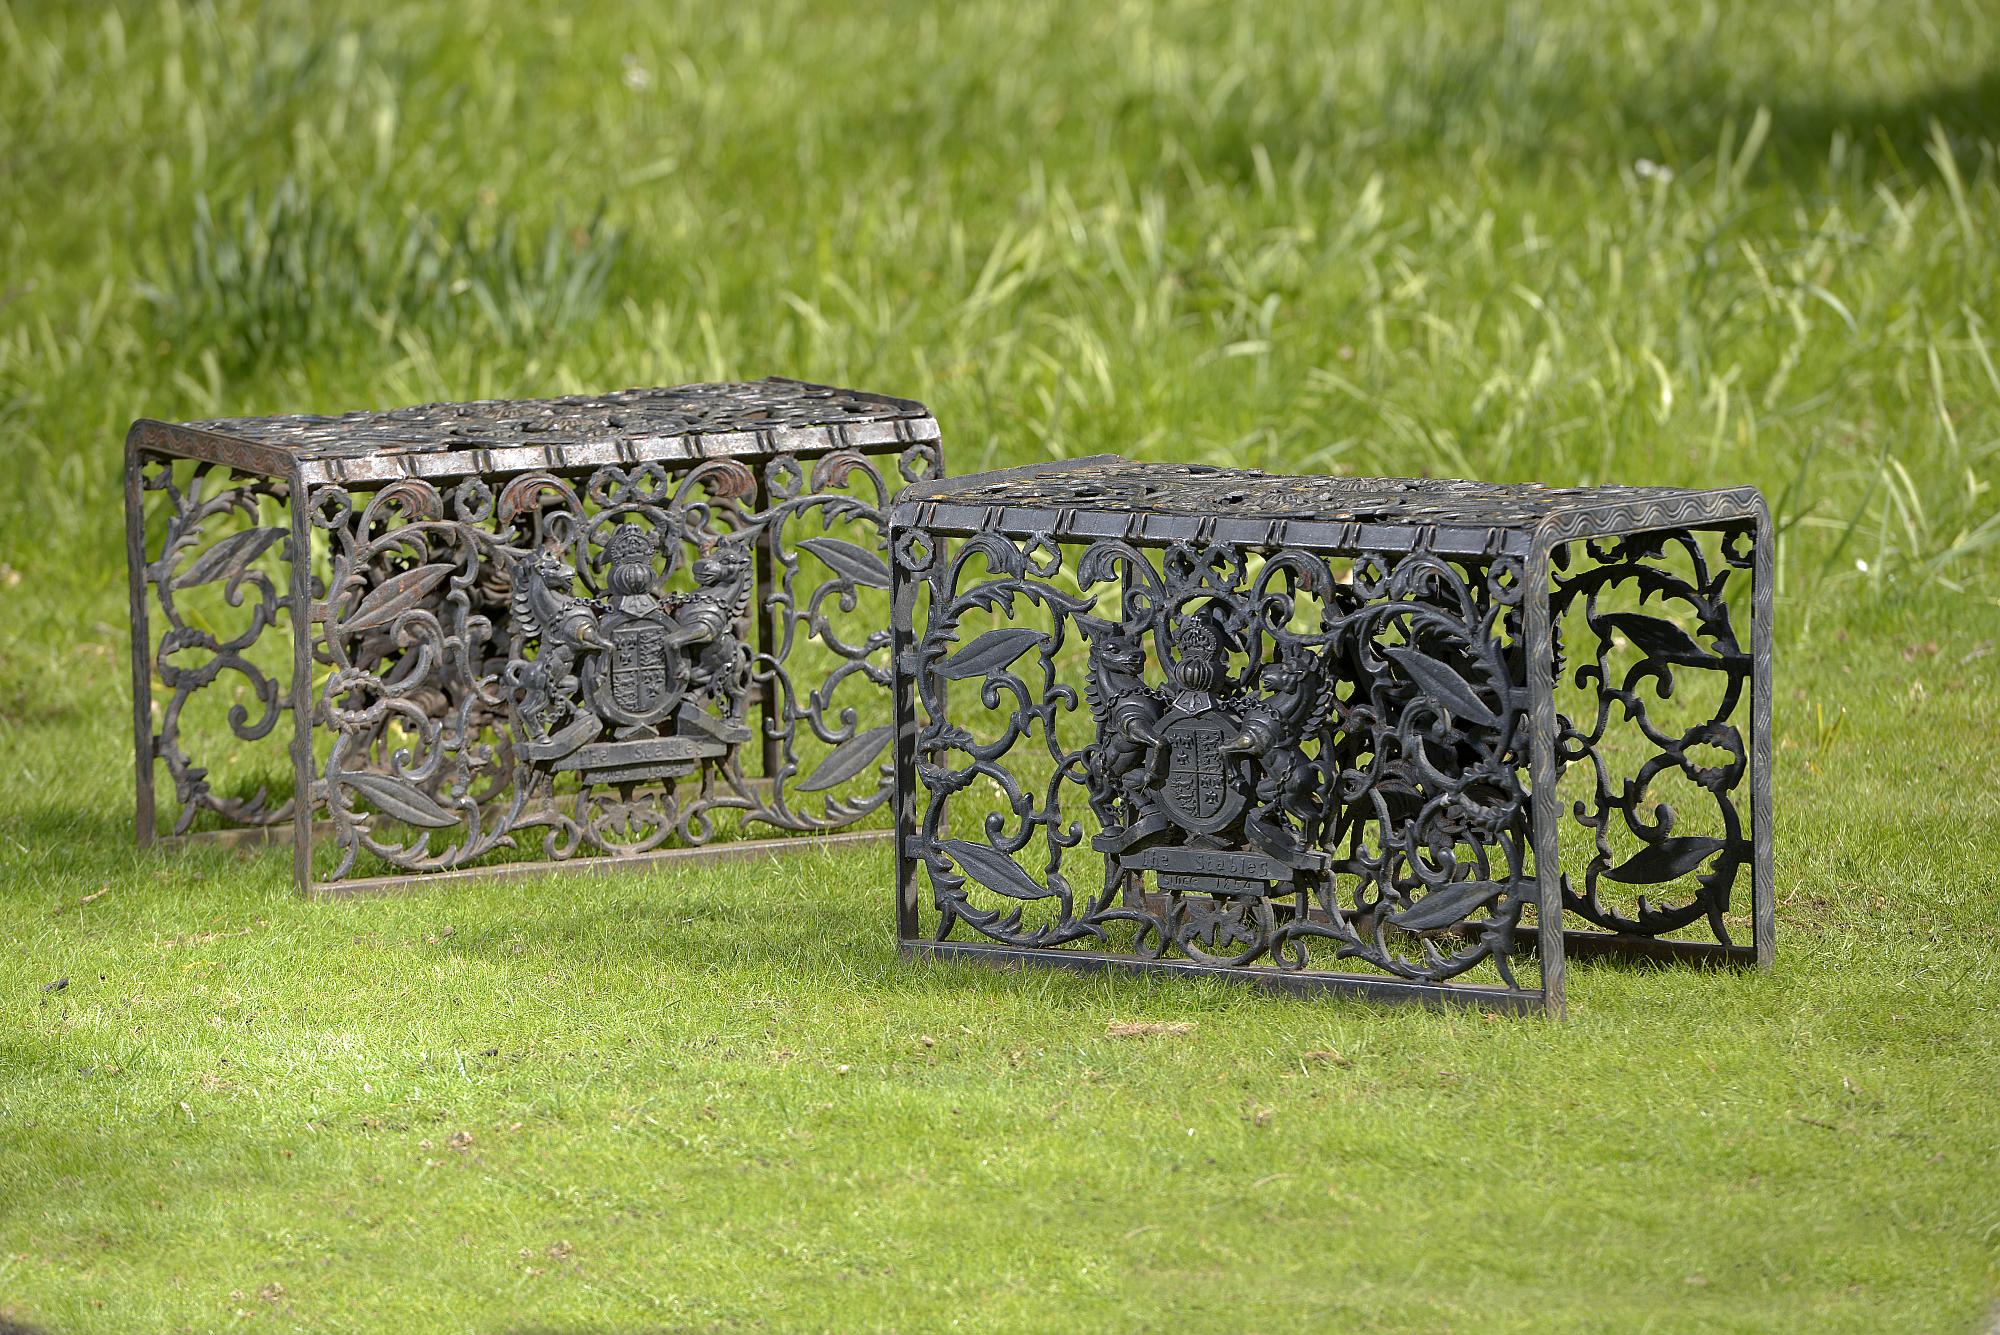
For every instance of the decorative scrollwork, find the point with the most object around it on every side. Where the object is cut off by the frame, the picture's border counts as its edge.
(1431, 746)
(1288, 764)
(818, 585)
(587, 656)
(406, 632)
(194, 652)
(1686, 640)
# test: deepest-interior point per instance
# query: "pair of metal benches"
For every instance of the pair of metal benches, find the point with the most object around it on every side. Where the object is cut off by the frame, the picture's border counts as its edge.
(1412, 738)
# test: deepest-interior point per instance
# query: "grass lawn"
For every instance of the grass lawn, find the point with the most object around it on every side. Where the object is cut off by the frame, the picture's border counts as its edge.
(1583, 242)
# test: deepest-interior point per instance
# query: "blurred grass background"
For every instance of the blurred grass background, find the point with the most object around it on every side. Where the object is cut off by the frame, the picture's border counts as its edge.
(1588, 241)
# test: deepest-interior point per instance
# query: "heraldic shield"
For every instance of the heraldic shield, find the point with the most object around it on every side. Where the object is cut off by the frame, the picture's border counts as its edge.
(640, 679)
(1203, 790)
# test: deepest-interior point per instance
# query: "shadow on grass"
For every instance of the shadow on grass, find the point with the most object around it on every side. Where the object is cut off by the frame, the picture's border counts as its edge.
(66, 845)
(1894, 133)
(682, 919)
(81, 849)
(101, 830)
(760, 928)
(777, 919)
(1623, 962)
(1501, 94)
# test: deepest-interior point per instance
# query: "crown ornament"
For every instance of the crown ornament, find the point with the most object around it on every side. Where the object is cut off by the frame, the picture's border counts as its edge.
(629, 544)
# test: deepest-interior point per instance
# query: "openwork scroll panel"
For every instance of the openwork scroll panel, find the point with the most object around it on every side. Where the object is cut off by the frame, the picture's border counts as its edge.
(1289, 763)
(214, 569)
(1654, 674)
(587, 666)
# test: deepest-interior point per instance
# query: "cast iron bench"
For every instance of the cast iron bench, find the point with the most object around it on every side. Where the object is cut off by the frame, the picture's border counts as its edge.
(1417, 739)
(508, 636)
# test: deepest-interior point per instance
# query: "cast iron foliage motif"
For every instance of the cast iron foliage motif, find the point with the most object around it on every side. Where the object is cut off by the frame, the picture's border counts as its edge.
(568, 627)
(1315, 739)
(1689, 634)
(195, 653)
(1327, 789)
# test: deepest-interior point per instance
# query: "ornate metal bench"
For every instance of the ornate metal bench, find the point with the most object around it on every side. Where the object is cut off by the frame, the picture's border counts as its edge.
(574, 631)
(1417, 739)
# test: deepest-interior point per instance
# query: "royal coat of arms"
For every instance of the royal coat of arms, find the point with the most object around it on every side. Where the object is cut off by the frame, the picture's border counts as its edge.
(1203, 782)
(666, 676)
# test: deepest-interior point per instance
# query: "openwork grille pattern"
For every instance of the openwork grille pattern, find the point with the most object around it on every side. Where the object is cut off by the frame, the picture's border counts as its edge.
(545, 664)
(1638, 665)
(1127, 740)
(215, 599)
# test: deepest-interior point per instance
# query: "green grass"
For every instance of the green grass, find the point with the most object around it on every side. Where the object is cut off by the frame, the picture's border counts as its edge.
(1588, 241)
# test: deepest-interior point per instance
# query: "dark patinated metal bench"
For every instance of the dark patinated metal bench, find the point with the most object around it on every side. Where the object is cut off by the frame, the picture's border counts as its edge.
(581, 631)
(1411, 738)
